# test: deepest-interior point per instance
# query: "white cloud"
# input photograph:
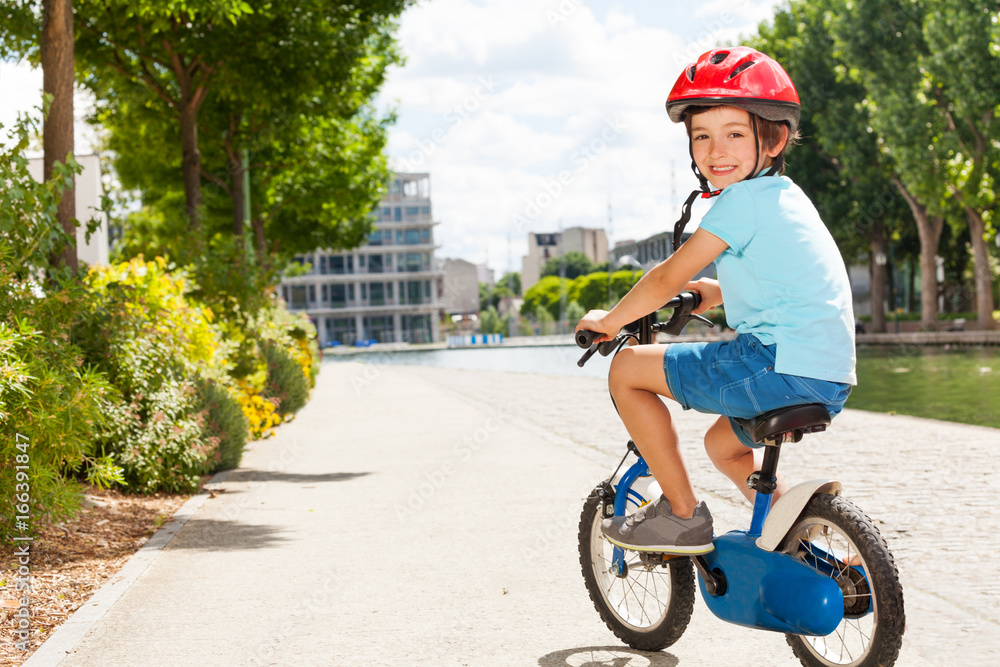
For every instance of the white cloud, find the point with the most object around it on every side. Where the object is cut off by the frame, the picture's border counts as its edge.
(529, 156)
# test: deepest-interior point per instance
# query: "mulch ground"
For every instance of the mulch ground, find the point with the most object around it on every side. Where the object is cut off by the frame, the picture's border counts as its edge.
(70, 561)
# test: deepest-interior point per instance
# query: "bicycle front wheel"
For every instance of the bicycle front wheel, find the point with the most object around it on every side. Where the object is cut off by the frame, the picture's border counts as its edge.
(836, 538)
(649, 605)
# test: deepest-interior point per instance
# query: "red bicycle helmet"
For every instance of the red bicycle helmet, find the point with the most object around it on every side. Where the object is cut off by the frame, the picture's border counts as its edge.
(736, 76)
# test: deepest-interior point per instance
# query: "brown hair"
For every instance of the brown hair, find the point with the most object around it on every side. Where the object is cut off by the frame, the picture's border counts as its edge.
(768, 131)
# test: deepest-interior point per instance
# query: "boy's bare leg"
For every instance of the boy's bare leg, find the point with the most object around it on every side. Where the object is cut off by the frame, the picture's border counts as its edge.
(637, 381)
(735, 460)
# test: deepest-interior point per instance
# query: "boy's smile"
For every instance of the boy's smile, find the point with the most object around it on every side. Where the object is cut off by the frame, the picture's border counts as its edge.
(722, 144)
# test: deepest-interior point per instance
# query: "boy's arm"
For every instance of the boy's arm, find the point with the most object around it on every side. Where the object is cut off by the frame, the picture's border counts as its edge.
(665, 280)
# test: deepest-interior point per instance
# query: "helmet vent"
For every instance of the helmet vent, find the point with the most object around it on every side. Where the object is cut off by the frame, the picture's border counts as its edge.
(739, 69)
(690, 73)
(718, 57)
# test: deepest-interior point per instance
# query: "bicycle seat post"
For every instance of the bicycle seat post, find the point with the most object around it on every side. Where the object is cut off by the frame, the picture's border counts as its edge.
(764, 482)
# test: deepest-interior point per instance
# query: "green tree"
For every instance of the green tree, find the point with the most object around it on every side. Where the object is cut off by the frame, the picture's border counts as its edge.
(42, 32)
(512, 281)
(546, 295)
(569, 265)
(839, 163)
(885, 41)
(963, 64)
(292, 110)
(592, 291)
(170, 51)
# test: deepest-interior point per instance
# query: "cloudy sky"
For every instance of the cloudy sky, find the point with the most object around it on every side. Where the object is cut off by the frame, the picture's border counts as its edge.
(535, 114)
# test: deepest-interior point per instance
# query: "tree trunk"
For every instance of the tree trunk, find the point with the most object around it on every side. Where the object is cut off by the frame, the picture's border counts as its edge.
(929, 228)
(981, 266)
(57, 133)
(237, 195)
(263, 260)
(191, 163)
(879, 265)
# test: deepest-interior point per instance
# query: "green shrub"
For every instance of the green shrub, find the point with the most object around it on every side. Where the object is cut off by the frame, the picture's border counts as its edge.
(224, 424)
(142, 333)
(286, 382)
(50, 404)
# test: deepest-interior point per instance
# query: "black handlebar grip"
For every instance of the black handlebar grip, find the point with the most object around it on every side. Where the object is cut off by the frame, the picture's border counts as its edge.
(586, 356)
(586, 338)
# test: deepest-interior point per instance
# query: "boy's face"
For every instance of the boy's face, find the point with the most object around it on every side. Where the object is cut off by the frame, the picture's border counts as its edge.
(723, 146)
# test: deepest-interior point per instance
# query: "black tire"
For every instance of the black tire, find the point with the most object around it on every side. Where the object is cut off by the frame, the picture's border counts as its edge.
(872, 630)
(656, 617)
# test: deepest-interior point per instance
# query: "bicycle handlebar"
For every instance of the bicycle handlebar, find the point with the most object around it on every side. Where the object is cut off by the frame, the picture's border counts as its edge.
(682, 305)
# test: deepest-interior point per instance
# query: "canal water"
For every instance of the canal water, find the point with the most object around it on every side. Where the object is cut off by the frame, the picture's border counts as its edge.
(960, 384)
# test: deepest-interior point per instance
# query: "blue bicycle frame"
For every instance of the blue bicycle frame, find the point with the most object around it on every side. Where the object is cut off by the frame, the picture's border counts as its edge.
(763, 589)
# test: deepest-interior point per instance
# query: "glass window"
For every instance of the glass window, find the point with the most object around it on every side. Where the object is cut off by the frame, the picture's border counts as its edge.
(298, 300)
(364, 291)
(326, 293)
(312, 294)
(413, 292)
(412, 211)
(376, 294)
(375, 238)
(412, 236)
(413, 262)
(323, 264)
(350, 292)
(375, 264)
(398, 214)
(337, 296)
(387, 213)
(425, 210)
(341, 329)
(416, 328)
(388, 292)
(379, 328)
(399, 237)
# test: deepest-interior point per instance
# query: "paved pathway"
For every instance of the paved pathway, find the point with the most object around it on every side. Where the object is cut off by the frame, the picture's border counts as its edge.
(428, 516)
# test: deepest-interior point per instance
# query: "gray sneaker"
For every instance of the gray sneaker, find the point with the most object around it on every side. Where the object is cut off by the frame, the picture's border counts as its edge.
(654, 527)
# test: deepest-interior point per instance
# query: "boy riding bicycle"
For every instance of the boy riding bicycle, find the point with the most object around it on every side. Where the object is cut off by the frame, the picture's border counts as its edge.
(781, 276)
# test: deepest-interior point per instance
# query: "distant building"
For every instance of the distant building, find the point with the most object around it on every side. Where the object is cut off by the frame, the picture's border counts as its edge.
(88, 193)
(458, 287)
(542, 247)
(385, 290)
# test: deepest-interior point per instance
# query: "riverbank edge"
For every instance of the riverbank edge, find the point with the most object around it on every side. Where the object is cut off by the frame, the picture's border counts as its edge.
(930, 338)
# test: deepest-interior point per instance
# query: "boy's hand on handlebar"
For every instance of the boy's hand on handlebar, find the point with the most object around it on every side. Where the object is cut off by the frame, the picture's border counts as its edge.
(711, 294)
(595, 321)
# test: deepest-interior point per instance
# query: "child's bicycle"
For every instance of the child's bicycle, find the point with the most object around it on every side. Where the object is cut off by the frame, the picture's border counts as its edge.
(812, 566)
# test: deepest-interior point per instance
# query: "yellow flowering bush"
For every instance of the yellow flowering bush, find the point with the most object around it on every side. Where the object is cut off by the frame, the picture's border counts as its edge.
(261, 414)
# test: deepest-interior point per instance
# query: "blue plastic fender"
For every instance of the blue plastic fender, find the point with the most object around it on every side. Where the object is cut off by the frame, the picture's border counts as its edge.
(771, 590)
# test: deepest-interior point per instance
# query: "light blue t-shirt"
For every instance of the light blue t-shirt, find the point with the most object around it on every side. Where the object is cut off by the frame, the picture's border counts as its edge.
(783, 279)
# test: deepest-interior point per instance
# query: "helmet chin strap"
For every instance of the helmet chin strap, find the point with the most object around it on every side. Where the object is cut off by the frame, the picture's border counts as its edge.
(707, 193)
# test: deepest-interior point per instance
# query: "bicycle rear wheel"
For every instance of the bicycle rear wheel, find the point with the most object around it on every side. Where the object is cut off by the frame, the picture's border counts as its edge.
(836, 538)
(650, 606)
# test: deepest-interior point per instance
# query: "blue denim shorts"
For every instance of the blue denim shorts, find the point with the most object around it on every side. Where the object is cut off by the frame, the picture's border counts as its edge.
(737, 379)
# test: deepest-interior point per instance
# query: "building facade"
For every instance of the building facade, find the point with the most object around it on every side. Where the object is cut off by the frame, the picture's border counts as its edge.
(87, 191)
(386, 290)
(542, 247)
